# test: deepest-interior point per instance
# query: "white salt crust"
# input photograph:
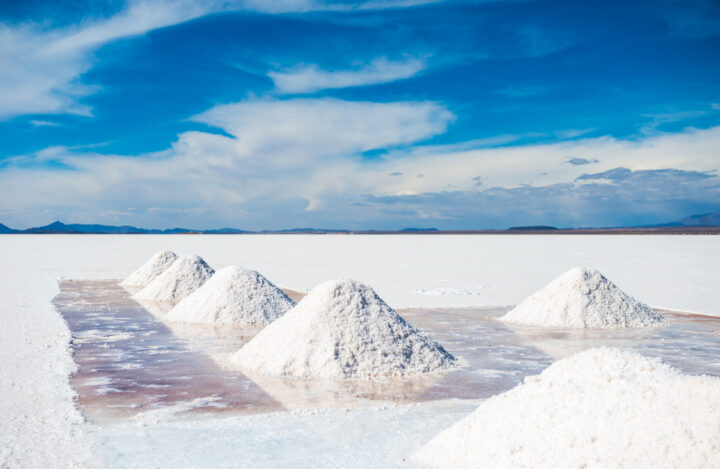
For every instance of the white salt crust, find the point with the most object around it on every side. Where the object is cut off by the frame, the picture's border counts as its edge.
(583, 298)
(149, 271)
(184, 276)
(600, 408)
(232, 297)
(342, 329)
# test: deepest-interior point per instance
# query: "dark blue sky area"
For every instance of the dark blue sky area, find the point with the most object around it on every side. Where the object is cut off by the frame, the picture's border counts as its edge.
(501, 67)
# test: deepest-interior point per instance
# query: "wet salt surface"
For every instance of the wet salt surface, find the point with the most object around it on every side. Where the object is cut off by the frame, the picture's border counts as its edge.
(131, 364)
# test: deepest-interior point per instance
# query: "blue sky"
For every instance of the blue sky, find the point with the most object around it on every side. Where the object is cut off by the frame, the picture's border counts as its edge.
(379, 114)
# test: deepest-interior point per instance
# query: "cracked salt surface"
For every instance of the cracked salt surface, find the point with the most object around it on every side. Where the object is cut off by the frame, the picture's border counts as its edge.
(134, 366)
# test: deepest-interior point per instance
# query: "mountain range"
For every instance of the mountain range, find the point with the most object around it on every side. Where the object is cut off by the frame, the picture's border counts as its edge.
(700, 220)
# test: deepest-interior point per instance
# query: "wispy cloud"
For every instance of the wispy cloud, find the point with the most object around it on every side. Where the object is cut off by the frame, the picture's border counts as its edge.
(299, 6)
(668, 117)
(39, 123)
(525, 91)
(310, 78)
(42, 66)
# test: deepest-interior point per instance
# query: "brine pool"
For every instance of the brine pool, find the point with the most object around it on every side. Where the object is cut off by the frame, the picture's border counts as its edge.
(132, 365)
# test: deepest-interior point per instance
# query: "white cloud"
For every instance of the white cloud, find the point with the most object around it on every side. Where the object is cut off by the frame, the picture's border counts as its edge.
(41, 67)
(310, 78)
(541, 164)
(297, 130)
(298, 162)
(289, 173)
(279, 147)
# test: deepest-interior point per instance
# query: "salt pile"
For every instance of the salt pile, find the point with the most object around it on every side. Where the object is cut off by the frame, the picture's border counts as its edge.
(600, 408)
(151, 270)
(342, 329)
(186, 275)
(583, 298)
(233, 297)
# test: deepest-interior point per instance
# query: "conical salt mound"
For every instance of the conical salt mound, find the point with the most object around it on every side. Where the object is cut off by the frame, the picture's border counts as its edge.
(583, 298)
(158, 263)
(186, 275)
(233, 297)
(602, 407)
(341, 329)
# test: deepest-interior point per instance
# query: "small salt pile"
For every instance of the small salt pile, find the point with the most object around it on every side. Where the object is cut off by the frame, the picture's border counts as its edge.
(341, 329)
(583, 298)
(600, 408)
(232, 297)
(151, 270)
(186, 275)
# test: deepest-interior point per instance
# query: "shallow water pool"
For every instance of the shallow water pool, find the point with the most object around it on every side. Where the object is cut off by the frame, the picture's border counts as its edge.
(133, 365)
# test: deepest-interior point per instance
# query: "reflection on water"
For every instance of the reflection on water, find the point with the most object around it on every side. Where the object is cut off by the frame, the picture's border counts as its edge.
(131, 364)
(296, 394)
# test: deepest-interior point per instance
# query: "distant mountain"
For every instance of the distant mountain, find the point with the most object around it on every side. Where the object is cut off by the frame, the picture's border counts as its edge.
(6, 229)
(306, 230)
(226, 231)
(532, 228)
(60, 227)
(693, 223)
(176, 231)
(705, 219)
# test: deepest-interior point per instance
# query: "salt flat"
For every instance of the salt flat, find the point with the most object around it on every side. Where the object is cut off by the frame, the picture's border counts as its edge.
(41, 426)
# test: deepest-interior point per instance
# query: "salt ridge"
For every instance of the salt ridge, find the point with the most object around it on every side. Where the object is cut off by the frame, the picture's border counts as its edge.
(342, 329)
(602, 407)
(583, 298)
(184, 276)
(233, 297)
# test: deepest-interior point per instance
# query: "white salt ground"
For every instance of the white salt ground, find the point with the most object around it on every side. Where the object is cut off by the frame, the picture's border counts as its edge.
(41, 427)
(342, 329)
(185, 275)
(156, 265)
(232, 297)
(583, 298)
(600, 408)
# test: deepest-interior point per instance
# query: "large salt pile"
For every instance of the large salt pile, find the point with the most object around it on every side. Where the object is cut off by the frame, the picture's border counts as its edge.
(186, 275)
(341, 329)
(233, 297)
(583, 298)
(600, 408)
(151, 270)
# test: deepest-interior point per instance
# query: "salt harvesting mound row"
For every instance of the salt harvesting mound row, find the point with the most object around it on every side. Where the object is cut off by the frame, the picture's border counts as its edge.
(341, 329)
(233, 297)
(149, 271)
(186, 275)
(599, 408)
(583, 298)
